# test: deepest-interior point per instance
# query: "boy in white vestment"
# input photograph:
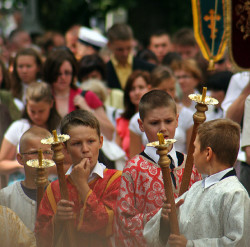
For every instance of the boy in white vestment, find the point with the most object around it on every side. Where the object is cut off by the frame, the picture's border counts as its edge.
(216, 210)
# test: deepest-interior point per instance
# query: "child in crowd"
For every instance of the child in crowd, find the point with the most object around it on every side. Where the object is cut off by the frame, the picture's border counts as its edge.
(163, 79)
(39, 111)
(216, 210)
(27, 68)
(21, 196)
(136, 86)
(141, 192)
(93, 190)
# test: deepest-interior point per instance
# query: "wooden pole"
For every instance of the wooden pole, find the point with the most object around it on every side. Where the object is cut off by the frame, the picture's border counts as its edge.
(199, 117)
(58, 157)
(164, 163)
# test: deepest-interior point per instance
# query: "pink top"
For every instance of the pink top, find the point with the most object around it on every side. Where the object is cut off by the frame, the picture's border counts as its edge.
(123, 131)
(92, 100)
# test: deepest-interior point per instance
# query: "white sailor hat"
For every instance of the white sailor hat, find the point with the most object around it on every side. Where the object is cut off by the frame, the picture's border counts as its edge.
(92, 38)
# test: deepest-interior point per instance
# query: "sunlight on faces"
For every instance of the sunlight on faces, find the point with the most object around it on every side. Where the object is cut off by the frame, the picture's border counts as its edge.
(168, 85)
(138, 89)
(39, 112)
(84, 142)
(121, 49)
(160, 46)
(64, 77)
(27, 68)
(187, 82)
(162, 120)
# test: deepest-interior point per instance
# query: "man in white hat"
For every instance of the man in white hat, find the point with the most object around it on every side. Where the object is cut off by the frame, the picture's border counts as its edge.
(89, 42)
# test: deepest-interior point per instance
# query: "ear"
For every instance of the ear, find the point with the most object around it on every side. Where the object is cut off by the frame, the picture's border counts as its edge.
(177, 119)
(109, 45)
(209, 153)
(140, 122)
(101, 141)
(19, 158)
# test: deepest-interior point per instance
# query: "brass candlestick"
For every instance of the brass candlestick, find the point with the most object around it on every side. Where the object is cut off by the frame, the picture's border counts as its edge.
(199, 117)
(56, 142)
(164, 162)
(41, 180)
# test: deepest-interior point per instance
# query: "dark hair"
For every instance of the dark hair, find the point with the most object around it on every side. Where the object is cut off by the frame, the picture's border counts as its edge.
(16, 86)
(158, 33)
(147, 55)
(53, 63)
(41, 91)
(219, 81)
(89, 64)
(155, 99)
(170, 57)
(129, 107)
(184, 37)
(223, 137)
(6, 82)
(120, 31)
(80, 118)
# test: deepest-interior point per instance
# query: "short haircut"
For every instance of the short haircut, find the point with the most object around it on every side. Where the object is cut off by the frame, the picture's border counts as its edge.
(120, 31)
(33, 132)
(155, 99)
(223, 137)
(80, 118)
(159, 74)
(158, 33)
(184, 37)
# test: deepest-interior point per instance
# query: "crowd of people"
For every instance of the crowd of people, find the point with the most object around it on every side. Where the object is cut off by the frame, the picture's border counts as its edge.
(112, 100)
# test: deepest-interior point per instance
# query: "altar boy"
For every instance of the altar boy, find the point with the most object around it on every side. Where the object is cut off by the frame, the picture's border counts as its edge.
(216, 210)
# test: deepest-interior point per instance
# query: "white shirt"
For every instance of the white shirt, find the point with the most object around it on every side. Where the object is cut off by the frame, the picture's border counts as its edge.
(97, 171)
(151, 152)
(215, 178)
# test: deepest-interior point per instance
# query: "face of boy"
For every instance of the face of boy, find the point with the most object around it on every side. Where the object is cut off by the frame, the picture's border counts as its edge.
(30, 151)
(121, 49)
(84, 142)
(162, 120)
(199, 157)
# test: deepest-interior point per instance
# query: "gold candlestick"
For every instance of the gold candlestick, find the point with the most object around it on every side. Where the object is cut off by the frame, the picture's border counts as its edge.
(163, 147)
(56, 145)
(41, 180)
(199, 117)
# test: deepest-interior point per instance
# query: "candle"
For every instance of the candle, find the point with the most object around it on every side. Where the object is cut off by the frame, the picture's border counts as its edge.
(55, 135)
(40, 157)
(204, 91)
(160, 138)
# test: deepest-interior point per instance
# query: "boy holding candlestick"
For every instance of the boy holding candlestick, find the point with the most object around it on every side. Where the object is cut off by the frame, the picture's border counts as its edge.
(91, 187)
(21, 196)
(216, 210)
(142, 191)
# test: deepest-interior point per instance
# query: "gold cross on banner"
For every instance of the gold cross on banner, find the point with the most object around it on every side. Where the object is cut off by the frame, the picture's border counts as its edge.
(212, 17)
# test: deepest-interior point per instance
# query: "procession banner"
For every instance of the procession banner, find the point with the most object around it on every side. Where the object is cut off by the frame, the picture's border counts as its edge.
(210, 28)
(239, 35)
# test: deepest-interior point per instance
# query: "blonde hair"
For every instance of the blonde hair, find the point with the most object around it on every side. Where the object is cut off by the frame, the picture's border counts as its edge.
(96, 86)
(39, 91)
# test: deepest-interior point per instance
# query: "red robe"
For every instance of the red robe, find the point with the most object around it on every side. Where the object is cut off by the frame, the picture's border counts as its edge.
(93, 224)
(141, 196)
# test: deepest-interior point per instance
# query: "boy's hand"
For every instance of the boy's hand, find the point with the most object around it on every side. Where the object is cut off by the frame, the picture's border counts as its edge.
(80, 174)
(177, 240)
(64, 211)
(165, 224)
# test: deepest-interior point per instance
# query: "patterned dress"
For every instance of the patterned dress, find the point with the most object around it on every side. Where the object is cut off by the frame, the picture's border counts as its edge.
(141, 195)
(93, 224)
